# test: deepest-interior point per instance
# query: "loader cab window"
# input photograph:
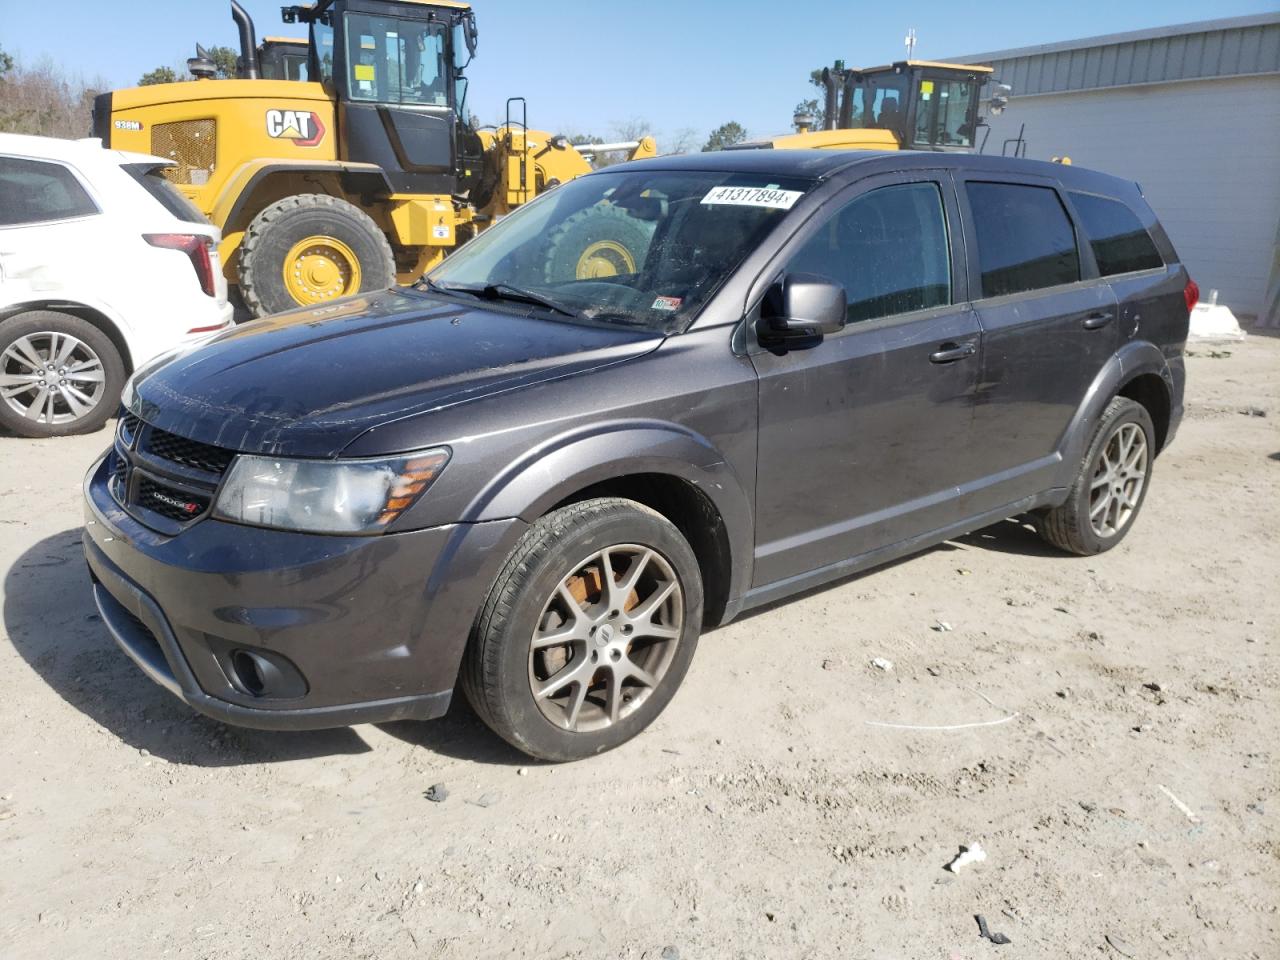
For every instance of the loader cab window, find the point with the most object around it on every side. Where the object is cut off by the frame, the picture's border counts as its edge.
(878, 102)
(946, 113)
(322, 45)
(391, 60)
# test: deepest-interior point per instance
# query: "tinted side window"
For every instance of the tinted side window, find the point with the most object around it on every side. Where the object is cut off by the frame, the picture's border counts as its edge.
(889, 250)
(1025, 238)
(152, 180)
(35, 192)
(1120, 243)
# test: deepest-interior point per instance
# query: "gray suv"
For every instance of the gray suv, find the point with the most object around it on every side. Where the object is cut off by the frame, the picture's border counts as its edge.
(657, 396)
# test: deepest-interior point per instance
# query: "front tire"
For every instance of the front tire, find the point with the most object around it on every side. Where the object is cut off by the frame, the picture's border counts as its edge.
(587, 631)
(59, 375)
(1110, 485)
(312, 249)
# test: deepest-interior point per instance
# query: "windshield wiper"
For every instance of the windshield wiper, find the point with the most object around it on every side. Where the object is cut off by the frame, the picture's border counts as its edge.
(506, 291)
(503, 291)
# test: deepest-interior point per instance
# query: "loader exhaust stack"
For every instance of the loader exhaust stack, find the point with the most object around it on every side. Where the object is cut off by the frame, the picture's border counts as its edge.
(248, 42)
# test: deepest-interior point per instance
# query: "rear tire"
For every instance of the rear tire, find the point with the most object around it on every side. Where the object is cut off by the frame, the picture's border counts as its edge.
(77, 395)
(618, 662)
(1110, 485)
(349, 254)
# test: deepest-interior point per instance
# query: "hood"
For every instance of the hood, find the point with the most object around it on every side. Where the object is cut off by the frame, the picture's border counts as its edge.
(309, 382)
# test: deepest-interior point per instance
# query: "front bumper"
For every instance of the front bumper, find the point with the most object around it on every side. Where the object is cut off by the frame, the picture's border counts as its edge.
(355, 629)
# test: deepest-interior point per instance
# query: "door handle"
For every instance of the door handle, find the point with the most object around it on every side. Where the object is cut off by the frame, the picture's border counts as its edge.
(951, 352)
(1096, 321)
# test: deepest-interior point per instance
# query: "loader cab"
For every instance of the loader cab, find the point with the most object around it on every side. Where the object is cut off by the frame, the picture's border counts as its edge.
(284, 58)
(394, 68)
(927, 106)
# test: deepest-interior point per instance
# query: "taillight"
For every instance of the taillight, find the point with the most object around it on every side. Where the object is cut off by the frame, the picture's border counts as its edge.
(195, 246)
(1191, 293)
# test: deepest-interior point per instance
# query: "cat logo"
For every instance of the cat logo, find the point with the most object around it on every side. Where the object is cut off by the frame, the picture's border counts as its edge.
(301, 126)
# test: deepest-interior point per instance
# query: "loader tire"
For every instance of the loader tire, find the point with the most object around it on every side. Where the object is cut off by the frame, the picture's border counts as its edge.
(601, 241)
(312, 249)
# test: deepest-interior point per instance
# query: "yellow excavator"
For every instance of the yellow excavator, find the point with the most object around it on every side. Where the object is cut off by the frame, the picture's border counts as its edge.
(361, 170)
(908, 105)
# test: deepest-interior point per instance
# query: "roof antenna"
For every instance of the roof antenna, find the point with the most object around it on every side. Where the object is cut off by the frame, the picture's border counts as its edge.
(910, 42)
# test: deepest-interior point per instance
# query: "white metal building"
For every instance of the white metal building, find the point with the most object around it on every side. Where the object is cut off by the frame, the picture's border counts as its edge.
(1192, 113)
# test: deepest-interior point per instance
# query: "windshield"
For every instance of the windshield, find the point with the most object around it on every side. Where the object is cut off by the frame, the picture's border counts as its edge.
(392, 60)
(645, 248)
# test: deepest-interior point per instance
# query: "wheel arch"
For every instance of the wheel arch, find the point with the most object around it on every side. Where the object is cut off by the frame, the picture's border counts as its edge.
(109, 325)
(692, 512)
(1138, 370)
(663, 466)
(246, 193)
(1150, 390)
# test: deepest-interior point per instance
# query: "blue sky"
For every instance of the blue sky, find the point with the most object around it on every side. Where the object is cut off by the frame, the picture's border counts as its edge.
(585, 67)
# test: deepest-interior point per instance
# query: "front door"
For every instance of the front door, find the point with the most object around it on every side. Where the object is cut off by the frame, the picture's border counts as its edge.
(1049, 325)
(398, 111)
(864, 439)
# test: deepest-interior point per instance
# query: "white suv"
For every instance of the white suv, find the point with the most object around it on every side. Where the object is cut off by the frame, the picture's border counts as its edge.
(103, 266)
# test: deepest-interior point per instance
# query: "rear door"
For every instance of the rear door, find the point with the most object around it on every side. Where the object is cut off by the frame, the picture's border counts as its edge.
(865, 437)
(51, 228)
(1049, 325)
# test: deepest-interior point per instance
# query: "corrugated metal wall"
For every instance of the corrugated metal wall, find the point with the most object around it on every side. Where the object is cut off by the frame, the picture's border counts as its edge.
(1206, 153)
(1215, 53)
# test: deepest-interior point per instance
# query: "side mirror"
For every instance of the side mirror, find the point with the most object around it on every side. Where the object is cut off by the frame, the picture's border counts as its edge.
(801, 310)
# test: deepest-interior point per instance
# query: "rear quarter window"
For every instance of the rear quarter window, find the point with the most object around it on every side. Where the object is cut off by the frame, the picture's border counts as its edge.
(1120, 242)
(36, 191)
(1025, 239)
(151, 179)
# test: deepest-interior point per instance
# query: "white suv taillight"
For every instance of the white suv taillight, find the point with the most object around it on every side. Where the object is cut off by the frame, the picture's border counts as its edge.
(194, 245)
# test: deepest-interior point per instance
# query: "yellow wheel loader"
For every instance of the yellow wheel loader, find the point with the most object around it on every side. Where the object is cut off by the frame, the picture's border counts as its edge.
(908, 105)
(364, 173)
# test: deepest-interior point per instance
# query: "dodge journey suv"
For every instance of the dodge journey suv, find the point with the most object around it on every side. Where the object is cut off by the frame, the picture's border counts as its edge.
(659, 395)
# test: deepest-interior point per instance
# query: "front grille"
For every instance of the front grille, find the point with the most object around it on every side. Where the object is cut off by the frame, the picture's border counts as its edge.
(128, 427)
(191, 145)
(163, 480)
(169, 501)
(189, 453)
(118, 484)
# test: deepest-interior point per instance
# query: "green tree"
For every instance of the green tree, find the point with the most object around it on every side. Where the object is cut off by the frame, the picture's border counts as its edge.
(811, 108)
(6, 63)
(725, 135)
(224, 58)
(158, 75)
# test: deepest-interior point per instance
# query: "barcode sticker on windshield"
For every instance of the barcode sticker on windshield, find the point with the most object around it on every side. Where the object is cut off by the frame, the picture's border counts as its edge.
(753, 197)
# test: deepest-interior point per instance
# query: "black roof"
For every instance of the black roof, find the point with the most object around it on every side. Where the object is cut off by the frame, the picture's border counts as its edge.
(821, 164)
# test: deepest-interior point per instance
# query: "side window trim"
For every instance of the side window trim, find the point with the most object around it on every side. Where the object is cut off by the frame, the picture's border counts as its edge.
(76, 175)
(831, 207)
(1089, 274)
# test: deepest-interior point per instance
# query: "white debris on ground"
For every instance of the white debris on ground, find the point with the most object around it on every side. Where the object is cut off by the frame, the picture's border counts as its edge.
(969, 855)
(1214, 323)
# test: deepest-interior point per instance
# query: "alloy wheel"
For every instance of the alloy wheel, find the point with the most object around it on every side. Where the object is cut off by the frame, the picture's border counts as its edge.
(1119, 475)
(606, 637)
(51, 377)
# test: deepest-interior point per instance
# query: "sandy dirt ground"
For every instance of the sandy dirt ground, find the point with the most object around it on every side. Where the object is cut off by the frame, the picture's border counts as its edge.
(1125, 785)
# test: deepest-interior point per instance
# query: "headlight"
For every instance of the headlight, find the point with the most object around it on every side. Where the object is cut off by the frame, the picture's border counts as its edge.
(326, 496)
